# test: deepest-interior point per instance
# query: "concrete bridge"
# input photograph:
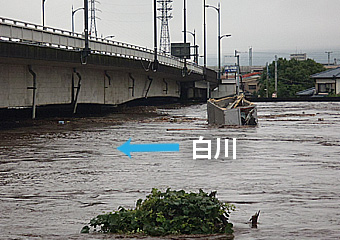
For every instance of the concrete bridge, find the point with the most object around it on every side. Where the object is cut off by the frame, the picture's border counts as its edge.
(44, 66)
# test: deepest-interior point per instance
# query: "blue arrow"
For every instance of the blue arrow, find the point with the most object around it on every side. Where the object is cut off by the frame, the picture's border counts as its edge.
(127, 148)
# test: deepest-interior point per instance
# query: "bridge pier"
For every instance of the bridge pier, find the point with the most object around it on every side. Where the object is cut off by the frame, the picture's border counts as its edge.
(66, 85)
(74, 97)
(34, 88)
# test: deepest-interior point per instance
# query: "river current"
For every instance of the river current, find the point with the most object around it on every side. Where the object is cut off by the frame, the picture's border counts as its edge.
(55, 177)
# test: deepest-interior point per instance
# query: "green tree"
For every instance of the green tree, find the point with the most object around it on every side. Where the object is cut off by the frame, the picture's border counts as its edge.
(293, 76)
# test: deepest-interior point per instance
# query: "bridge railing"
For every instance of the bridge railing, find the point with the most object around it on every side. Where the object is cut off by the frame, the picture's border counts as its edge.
(28, 33)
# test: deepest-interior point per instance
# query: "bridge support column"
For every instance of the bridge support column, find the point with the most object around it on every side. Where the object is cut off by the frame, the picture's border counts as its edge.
(34, 88)
(166, 86)
(148, 88)
(105, 87)
(75, 100)
(133, 85)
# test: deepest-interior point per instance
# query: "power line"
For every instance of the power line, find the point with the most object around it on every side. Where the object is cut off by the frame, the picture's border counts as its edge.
(128, 13)
(126, 5)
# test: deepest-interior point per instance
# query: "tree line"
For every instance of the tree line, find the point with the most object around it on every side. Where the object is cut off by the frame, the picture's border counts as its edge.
(293, 76)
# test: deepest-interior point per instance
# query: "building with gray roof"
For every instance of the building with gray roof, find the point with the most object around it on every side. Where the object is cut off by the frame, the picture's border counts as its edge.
(327, 82)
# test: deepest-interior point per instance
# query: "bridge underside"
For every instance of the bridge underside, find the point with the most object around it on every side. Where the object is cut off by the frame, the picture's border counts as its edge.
(33, 75)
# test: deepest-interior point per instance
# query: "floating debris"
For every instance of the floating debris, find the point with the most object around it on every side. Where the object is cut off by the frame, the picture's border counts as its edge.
(254, 219)
(232, 111)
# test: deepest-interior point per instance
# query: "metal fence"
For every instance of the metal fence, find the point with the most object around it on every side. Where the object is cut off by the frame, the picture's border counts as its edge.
(27, 33)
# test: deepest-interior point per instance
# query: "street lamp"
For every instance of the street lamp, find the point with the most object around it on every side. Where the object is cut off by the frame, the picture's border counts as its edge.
(238, 72)
(218, 38)
(196, 52)
(110, 36)
(73, 12)
(185, 35)
(155, 62)
(219, 54)
(225, 35)
(205, 50)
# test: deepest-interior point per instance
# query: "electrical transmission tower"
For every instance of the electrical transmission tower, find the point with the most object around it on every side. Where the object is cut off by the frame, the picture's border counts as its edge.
(165, 9)
(93, 25)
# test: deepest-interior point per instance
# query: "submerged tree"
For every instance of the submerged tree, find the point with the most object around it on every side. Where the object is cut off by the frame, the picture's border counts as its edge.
(169, 212)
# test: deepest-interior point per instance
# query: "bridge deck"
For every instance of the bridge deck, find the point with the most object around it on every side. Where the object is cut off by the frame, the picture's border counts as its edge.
(32, 34)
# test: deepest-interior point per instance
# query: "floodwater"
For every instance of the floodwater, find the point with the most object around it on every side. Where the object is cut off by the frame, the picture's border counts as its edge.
(55, 177)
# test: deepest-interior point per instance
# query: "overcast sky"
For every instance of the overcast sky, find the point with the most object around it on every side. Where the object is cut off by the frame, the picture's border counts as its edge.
(265, 25)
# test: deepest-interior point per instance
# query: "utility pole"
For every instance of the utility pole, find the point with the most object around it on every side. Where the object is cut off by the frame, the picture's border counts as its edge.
(196, 48)
(267, 80)
(86, 22)
(185, 37)
(329, 57)
(219, 43)
(72, 20)
(205, 50)
(237, 73)
(155, 63)
(86, 51)
(43, 13)
(276, 75)
(185, 23)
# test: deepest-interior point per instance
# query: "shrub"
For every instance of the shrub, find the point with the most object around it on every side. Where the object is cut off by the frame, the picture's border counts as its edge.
(169, 212)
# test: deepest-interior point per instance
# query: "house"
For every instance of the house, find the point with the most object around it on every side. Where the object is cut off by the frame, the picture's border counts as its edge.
(327, 82)
(250, 82)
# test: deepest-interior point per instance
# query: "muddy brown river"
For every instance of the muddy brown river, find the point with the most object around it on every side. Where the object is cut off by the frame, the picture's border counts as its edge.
(55, 177)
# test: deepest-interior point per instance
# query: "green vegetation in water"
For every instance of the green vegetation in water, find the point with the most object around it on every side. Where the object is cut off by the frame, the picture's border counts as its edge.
(169, 212)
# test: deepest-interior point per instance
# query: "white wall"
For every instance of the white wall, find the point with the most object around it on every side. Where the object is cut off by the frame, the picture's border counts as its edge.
(54, 85)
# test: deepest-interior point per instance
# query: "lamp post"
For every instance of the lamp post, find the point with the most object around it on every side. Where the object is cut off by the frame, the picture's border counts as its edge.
(155, 63)
(73, 12)
(219, 55)
(185, 36)
(238, 72)
(196, 52)
(205, 49)
(43, 12)
(86, 51)
(218, 37)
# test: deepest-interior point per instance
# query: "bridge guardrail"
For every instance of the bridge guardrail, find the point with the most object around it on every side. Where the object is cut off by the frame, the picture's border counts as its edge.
(18, 31)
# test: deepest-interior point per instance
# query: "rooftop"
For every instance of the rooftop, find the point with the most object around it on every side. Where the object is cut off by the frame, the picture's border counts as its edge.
(331, 73)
